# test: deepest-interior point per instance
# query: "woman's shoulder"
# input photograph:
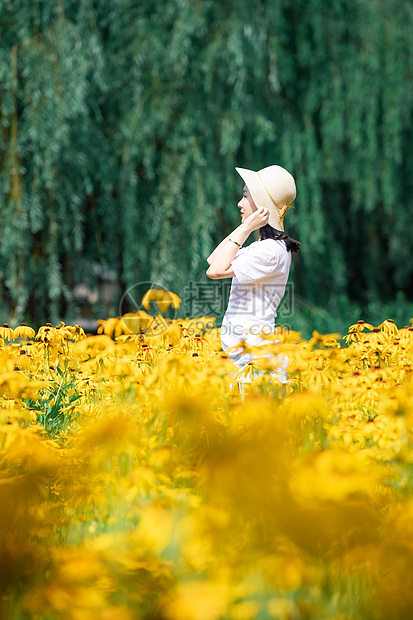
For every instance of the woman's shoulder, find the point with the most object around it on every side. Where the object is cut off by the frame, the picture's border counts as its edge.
(266, 251)
(268, 246)
(262, 243)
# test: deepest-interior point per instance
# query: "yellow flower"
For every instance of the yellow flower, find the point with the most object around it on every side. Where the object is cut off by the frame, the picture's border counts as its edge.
(375, 338)
(200, 600)
(245, 610)
(93, 345)
(23, 331)
(333, 475)
(325, 340)
(389, 327)
(154, 529)
(109, 327)
(135, 322)
(353, 336)
(283, 608)
(173, 334)
(76, 331)
(163, 299)
(6, 332)
(176, 301)
(359, 326)
(65, 332)
(49, 334)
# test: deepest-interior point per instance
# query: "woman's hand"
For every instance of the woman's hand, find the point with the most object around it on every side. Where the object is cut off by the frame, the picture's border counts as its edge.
(257, 219)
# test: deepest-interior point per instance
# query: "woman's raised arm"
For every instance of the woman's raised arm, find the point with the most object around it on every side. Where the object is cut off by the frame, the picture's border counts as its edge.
(220, 265)
(219, 247)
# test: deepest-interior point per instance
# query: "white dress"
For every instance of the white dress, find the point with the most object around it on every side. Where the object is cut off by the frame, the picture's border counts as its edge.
(261, 274)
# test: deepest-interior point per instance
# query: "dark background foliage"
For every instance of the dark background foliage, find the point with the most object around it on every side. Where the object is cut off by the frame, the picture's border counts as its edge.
(122, 122)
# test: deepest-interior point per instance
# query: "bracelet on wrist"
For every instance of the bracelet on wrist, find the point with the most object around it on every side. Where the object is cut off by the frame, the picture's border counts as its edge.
(236, 242)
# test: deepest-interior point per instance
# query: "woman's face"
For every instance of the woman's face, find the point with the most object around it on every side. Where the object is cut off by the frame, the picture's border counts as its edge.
(246, 205)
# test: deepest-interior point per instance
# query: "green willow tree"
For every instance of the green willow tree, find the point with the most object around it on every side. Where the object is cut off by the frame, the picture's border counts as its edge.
(122, 121)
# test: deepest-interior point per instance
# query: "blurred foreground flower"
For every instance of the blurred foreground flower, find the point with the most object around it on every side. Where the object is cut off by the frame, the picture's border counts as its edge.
(162, 298)
(138, 482)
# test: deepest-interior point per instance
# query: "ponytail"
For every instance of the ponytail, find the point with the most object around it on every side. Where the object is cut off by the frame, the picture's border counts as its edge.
(268, 232)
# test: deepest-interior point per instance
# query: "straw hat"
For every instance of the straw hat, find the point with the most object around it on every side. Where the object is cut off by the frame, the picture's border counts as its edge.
(272, 187)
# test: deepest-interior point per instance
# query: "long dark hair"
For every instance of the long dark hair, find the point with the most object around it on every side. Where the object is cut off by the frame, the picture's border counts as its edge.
(268, 232)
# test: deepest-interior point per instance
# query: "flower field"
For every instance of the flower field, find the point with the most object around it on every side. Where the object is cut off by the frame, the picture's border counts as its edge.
(138, 482)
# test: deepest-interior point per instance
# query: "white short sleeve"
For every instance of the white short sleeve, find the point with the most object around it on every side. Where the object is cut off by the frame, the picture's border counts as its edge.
(259, 261)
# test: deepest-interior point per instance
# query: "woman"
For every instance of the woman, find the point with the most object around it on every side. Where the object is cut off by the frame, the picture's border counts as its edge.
(260, 271)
